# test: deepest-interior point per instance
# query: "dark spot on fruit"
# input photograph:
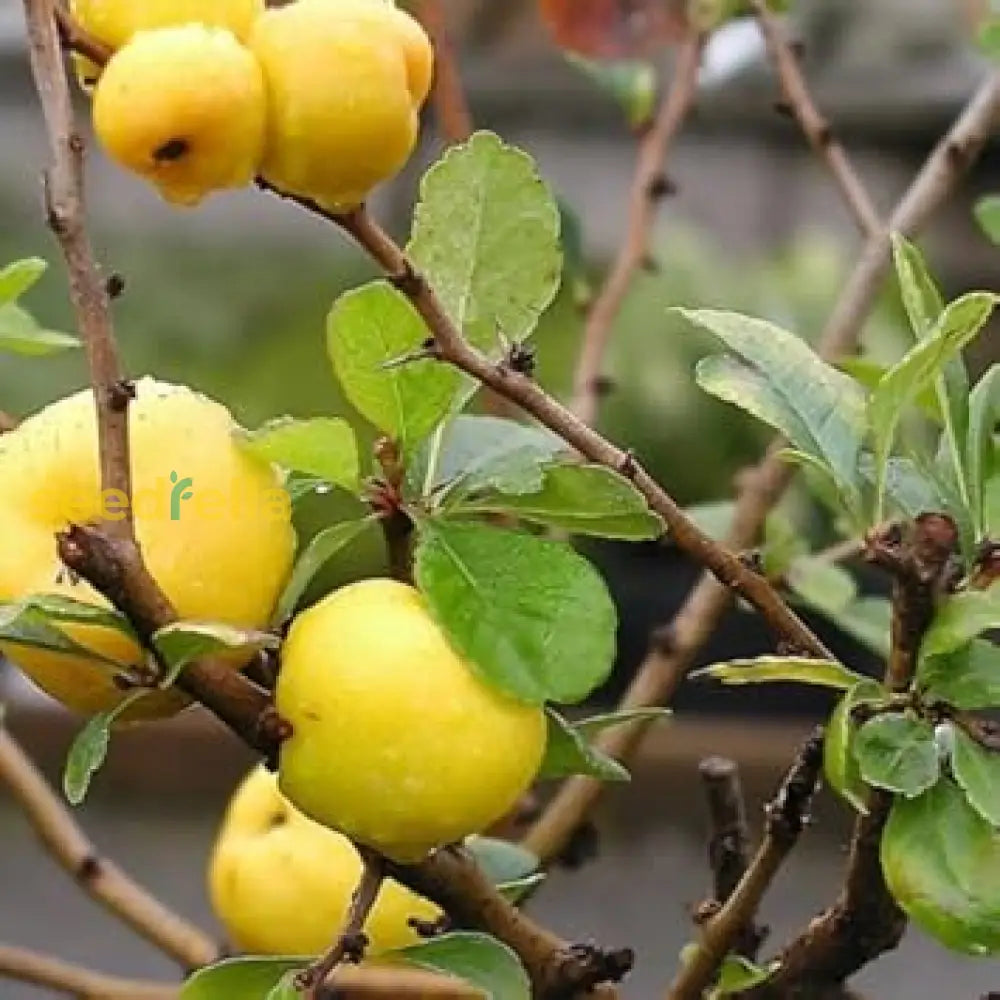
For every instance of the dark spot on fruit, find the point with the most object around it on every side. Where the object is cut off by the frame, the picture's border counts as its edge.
(276, 819)
(172, 149)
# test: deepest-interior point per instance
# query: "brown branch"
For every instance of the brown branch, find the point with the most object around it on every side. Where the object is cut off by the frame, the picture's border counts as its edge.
(648, 188)
(814, 125)
(99, 878)
(351, 942)
(675, 647)
(76, 38)
(64, 204)
(451, 878)
(450, 102)
(451, 346)
(7, 422)
(787, 816)
(729, 842)
(73, 980)
(866, 921)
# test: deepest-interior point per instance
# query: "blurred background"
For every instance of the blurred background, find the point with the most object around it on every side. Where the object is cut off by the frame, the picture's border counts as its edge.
(232, 298)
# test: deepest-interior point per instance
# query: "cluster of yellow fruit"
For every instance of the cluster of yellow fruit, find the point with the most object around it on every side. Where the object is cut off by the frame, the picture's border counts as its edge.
(320, 98)
(396, 742)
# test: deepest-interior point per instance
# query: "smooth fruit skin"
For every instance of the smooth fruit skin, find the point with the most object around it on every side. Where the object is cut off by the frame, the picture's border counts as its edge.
(342, 117)
(396, 742)
(184, 108)
(114, 22)
(224, 558)
(281, 884)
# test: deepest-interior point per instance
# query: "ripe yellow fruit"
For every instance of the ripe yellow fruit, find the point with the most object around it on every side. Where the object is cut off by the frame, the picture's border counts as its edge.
(114, 22)
(345, 79)
(213, 524)
(281, 884)
(185, 108)
(396, 742)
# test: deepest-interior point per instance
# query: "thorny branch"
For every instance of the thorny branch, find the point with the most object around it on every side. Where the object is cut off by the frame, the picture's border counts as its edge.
(675, 647)
(649, 186)
(98, 877)
(866, 921)
(787, 815)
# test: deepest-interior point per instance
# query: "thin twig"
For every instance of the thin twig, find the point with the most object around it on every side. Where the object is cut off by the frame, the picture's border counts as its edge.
(649, 185)
(675, 647)
(32, 967)
(787, 816)
(7, 422)
(814, 125)
(729, 842)
(64, 204)
(99, 878)
(351, 942)
(75, 37)
(450, 101)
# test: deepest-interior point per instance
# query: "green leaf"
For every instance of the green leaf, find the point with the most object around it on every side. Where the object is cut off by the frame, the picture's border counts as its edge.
(822, 485)
(912, 490)
(822, 584)
(782, 670)
(631, 82)
(180, 643)
(960, 618)
(580, 499)
(987, 210)
(489, 452)
(960, 322)
(515, 890)
(371, 328)
(898, 753)
(18, 277)
(325, 447)
(58, 608)
(984, 415)
(533, 618)
(478, 959)
(839, 765)
(820, 410)
(977, 771)
(941, 861)
(500, 860)
(595, 724)
(21, 334)
(967, 678)
(90, 748)
(568, 751)
(869, 373)
(26, 624)
(253, 978)
(320, 550)
(486, 236)
(738, 974)
(924, 307)
(285, 989)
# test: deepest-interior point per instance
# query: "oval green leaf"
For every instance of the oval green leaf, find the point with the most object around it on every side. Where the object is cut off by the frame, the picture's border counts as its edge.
(898, 753)
(968, 678)
(841, 769)
(18, 277)
(960, 619)
(941, 862)
(533, 617)
(251, 978)
(977, 771)
(180, 643)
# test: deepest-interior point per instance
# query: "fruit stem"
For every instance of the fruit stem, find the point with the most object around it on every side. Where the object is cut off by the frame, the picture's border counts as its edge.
(351, 942)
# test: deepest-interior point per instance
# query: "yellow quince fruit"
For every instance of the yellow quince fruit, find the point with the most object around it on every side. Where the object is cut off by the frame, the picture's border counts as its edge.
(185, 108)
(281, 884)
(114, 22)
(345, 80)
(396, 742)
(213, 524)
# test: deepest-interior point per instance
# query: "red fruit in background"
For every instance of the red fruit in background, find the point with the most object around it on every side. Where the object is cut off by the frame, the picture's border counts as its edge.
(612, 29)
